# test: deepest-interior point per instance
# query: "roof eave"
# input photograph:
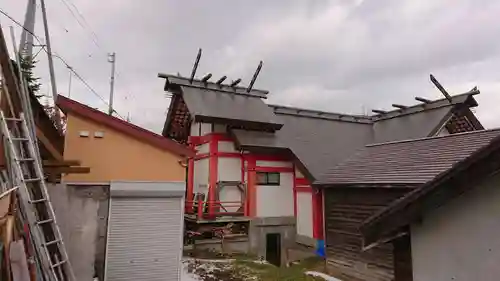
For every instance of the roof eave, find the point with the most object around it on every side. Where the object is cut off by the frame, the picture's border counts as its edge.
(407, 209)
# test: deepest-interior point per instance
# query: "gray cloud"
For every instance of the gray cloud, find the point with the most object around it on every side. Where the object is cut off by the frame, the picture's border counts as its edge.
(331, 55)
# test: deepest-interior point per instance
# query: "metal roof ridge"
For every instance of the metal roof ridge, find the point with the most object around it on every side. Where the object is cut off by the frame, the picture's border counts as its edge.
(433, 137)
(312, 113)
(417, 108)
(206, 85)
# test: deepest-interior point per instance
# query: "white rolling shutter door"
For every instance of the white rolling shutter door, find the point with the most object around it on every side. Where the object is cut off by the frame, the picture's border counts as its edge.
(144, 238)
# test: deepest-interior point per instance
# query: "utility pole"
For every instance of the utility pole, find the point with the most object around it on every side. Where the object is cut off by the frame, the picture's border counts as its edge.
(26, 42)
(112, 60)
(49, 52)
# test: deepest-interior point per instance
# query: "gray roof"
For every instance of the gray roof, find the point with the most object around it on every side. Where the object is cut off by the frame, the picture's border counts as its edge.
(249, 139)
(318, 143)
(407, 162)
(321, 140)
(410, 126)
(218, 106)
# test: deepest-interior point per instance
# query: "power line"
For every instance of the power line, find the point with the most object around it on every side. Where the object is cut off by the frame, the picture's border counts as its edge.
(62, 60)
(83, 24)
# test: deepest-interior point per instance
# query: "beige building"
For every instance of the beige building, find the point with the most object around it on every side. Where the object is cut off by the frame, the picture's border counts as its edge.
(114, 149)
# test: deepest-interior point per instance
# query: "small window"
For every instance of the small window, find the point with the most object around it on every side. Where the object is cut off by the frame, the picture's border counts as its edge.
(268, 178)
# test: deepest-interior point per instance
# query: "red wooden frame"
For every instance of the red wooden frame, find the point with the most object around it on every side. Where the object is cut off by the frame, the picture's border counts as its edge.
(248, 165)
(303, 185)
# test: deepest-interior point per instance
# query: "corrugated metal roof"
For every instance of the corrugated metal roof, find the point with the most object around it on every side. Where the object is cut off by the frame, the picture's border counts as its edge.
(410, 162)
(206, 104)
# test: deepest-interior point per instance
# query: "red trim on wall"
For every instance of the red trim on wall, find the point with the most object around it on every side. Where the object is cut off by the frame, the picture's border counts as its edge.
(197, 140)
(274, 169)
(317, 197)
(303, 189)
(218, 155)
(294, 194)
(302, 181)
(190, 183)
(251, 181)
(213, 173)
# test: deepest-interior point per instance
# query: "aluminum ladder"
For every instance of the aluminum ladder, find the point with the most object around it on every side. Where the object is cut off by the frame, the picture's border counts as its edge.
(34, 198)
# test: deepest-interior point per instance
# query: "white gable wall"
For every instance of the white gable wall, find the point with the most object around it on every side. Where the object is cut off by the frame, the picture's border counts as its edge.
(304, 214)
(276, 201)
(459, 241)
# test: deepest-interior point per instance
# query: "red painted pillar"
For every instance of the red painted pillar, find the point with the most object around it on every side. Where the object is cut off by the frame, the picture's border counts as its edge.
(317, 200)
(213, 172)
(251, 182)
(294, 192)
(190, 184)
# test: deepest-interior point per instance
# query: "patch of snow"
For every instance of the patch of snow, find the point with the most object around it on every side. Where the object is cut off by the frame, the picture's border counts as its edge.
(185, 275)
(322, 275)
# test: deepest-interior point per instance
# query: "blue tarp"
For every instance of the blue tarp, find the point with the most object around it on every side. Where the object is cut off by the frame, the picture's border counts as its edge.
(320, 248)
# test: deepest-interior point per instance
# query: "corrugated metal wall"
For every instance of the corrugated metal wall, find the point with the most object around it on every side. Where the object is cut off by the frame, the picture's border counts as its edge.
(345, 210)
(144, 239)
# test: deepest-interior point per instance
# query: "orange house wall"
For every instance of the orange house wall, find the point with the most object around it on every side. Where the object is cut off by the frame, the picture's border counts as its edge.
(116, 156)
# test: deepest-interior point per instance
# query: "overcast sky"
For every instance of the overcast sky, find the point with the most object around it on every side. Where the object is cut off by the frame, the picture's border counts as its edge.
(347, 56)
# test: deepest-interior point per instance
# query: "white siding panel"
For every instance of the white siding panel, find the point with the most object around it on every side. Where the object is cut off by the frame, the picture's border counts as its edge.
(276, 201)
(230, 194)
(226, 146)
(205, 128)
(229, 169)
(195, 129)
(200, 173)
(459, 241)
(219, 128)
(144, 239)
(298, 174)
(261, 163)
(203, 148)
(304, 214)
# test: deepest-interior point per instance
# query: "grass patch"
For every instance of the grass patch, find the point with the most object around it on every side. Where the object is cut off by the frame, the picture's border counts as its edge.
(269, 272)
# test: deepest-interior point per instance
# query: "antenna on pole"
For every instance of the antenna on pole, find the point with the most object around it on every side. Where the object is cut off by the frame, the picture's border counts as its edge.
(195, 67)
(254, 77)
(440, 88)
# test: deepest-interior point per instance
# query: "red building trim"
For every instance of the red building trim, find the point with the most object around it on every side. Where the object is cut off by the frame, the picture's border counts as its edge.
(190, 183)
(294, 194)
(317, 197)
(218, 155)
(251, 181)
(213, 173)
(303, 185)
(303, 189)
(197, 140)
(302, 181)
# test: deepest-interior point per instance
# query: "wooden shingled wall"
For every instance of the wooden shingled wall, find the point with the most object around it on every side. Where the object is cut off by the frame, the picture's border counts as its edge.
(345, 210)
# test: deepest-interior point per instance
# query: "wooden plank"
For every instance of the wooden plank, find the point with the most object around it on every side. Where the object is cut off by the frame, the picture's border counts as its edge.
(68, 170)
(64, 163)
(48, 145)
